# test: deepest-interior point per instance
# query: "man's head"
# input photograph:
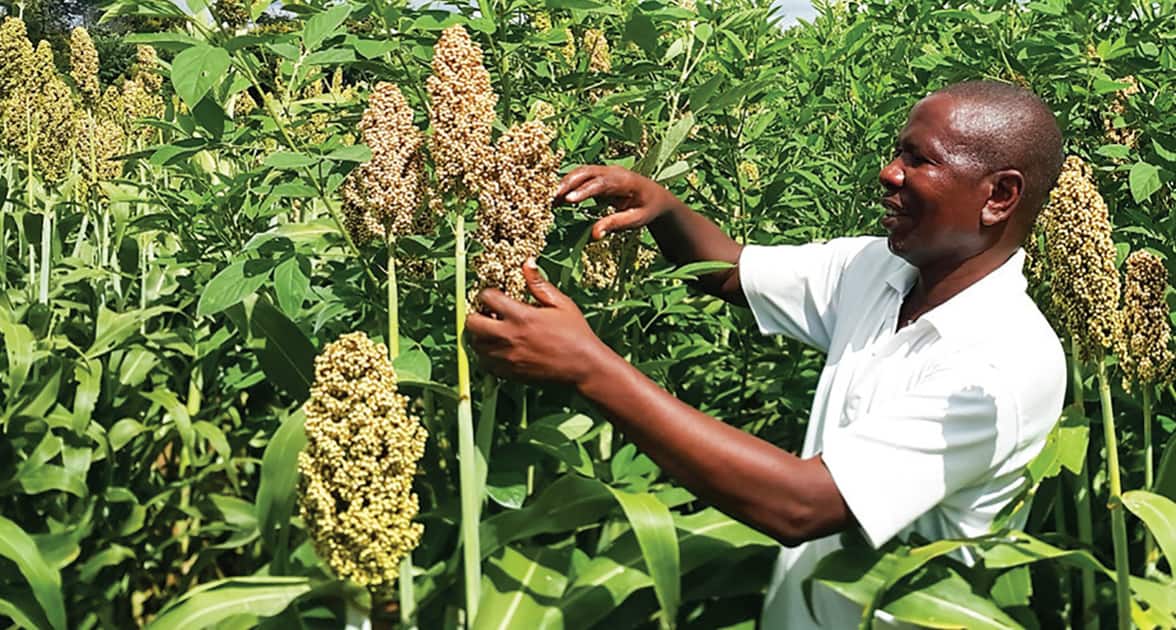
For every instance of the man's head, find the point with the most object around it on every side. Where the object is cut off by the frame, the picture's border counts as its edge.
(972, 168)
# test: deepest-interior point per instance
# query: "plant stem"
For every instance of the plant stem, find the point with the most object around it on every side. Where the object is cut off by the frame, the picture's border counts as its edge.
(1149, 543)
(404, 584)
(1088, 618)
(1115, 503)
(466, 450)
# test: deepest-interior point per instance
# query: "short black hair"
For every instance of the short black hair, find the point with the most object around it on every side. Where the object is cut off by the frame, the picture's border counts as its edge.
(1013, 128)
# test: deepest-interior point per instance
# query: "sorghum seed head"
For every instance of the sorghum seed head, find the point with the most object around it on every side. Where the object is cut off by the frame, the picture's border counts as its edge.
(1144, 355)
(1081, 256)
(16, 55)
(383, 197)
(462, 112)
(514, 209)
(145, 70)
(362, 449)
(83, 65)
(599, 59)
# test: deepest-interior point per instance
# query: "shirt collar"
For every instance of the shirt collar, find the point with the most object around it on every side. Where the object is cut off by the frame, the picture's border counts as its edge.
(975, 303)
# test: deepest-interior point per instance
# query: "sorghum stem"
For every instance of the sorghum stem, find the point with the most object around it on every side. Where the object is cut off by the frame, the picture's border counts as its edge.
(404, 584)
(1087, 615)
(1149, 543)
(466, 450)
(1115, 503)
(46, 254)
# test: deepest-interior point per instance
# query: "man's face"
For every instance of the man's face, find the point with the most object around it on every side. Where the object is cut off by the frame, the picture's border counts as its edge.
(934, 190)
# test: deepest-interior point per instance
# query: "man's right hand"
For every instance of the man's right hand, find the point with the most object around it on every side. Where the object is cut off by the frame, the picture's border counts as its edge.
(639, 200)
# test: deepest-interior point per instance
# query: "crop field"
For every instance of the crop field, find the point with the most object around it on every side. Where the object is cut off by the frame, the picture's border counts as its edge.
(238, 245)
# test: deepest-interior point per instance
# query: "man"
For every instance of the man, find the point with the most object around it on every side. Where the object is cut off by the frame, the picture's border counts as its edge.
(942, 377)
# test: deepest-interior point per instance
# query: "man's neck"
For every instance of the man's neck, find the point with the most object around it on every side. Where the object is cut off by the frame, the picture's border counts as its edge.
(937, 284)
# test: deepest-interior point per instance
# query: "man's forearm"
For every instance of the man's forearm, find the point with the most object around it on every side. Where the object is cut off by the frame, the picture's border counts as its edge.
(685, 236)
(790, 499)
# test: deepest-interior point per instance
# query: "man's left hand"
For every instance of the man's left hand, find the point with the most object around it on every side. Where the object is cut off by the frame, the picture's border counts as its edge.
(548, 342)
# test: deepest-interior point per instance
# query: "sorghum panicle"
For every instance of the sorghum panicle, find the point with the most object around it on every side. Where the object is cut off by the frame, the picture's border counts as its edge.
(362, 449)
(1144, 355)
(1081, 255)
(514, 206)
(601, 260)
(16, 55)
(599, 58)
(145, 70)
(1121, 135)
(462, 112)
(83, 65)
(384, 196)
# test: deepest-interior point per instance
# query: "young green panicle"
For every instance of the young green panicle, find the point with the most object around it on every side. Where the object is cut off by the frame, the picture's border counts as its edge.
(362, 449)
(1144, 355)
(383, 197)
(600, 261)
(1081, 256)
(599, 58)
(462, 112)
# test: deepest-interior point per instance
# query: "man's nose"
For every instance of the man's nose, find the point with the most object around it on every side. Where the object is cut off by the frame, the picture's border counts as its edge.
(891, 175)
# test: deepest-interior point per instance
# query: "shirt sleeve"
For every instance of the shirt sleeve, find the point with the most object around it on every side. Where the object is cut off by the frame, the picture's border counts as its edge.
(910, 453)
(792, 289)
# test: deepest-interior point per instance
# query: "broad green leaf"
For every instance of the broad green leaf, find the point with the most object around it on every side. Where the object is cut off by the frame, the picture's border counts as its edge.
(948, 603)
(50, 477)
(322, 25)
(115, 328)
(233, 284)
(568, 503)
(291, 284)
(279, 479)
(196, 69)
(109, 557)
(353, 153)
(215, 602)
(136, 364)
(1144, 180)
(43, 580)
(413, 365)
(653, 525)
(170, 403)
(313, 231)
(1165, 480)
(288, 160)
(1159, 514)
(18, 603)
(520, 588)
(287, 357)
(88, 376)
(20, 346)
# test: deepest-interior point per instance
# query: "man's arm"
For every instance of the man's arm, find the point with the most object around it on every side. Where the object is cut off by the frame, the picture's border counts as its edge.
(790, 499)
(683, 235)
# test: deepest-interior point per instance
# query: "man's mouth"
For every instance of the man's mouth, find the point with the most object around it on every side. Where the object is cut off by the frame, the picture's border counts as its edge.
(894, 213)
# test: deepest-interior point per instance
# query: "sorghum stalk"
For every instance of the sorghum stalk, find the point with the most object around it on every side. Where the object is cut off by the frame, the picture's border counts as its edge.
(404, 583)
(1149, 543)
(1086, 615)
(1115, 503)
(470, 500)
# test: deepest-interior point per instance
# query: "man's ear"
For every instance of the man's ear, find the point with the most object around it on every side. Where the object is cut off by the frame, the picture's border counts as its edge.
(1005, 193)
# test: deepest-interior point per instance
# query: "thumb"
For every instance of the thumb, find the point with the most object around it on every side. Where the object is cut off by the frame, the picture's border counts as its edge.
(544, 292)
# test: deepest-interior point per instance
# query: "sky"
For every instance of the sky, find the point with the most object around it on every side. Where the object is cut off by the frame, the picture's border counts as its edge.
(794, 9)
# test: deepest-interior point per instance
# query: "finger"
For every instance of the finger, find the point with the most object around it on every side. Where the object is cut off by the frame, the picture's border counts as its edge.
(545, 292)
(484, 331)
(616, 222)
(594, 187)
(501, 304)
(572, 180)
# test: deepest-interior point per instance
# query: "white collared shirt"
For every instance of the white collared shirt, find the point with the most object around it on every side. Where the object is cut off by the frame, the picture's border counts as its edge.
(926, 429)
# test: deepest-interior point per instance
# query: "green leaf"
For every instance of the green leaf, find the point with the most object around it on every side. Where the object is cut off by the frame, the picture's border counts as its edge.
(520, 588)
(654, 527)
(568, 503)
(353, 153)
(948, 602)
(45, 582)
(287, 357)
(588, 6)
(195, 70)
(50, 477)
(217, 601)
(288, 160)
(233, 284)
(1159, 514)
(323, 25)
(115, 328)
(179, 415)
(20, 346)
(291, 284)
(1165, 481)
(19, 603)
(1144, 180)
(413, 365)
(279, 479)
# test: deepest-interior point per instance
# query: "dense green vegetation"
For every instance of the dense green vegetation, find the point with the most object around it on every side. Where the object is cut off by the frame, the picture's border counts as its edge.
(173, 260)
